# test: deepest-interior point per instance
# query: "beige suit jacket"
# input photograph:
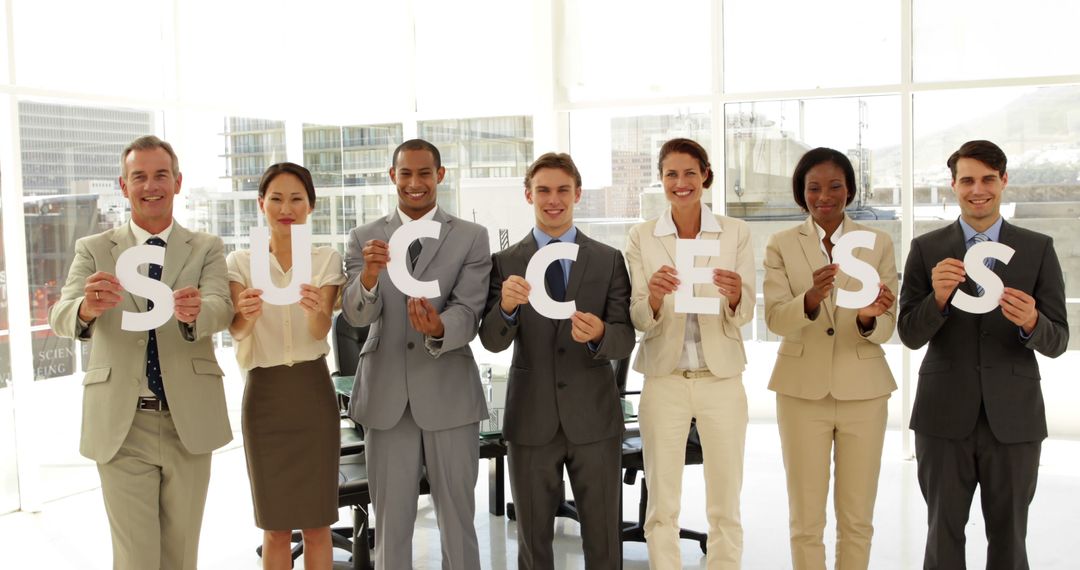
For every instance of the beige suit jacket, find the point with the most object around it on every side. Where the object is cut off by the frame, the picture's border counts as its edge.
(663, 339)
(827, 355)
(117, 369)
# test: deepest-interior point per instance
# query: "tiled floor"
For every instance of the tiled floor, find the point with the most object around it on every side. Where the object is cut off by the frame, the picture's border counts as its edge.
(73, 532)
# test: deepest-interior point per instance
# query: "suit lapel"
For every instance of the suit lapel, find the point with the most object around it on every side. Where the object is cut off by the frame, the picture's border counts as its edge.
(957, 249)
(811, 247)
(1007, 237)
(177, 251)
(123, 238)
(432, 247)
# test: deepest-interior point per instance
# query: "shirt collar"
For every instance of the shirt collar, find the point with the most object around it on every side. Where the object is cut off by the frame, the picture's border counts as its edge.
(993, 232)
(835, 237)
(542, 239)
(142, 235)
(428, 216)
(665, 224)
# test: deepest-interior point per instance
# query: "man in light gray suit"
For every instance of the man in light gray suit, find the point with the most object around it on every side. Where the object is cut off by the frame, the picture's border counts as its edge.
(153, 401)
(562, 406)
(417, 386)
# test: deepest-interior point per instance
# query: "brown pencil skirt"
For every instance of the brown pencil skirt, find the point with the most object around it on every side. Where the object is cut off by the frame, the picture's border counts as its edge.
(292, 441)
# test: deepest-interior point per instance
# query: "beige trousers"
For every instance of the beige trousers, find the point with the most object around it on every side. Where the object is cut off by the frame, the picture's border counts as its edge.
(667, 405)
(846, 435)
(155, 492)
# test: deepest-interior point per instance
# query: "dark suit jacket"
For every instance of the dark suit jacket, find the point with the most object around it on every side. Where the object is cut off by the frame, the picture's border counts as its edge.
(555, 380)
(975, 359)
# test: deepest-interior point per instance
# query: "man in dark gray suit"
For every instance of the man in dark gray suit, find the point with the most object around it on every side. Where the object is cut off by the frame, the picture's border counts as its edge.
(417, 386)
(978, 415)
(562, 406)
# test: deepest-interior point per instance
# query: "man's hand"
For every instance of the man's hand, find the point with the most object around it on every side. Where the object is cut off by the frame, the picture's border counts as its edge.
(1019, 308)
(824, 281)
(729, 283)
(586, 327)
(187, 303)
(946, 276)
(515, 292)
(662, 283)
(101, 293)
(376, 256)
(424, 318)
(249, 304)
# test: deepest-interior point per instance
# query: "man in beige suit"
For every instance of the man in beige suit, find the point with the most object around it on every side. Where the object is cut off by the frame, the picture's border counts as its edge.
(153, 401)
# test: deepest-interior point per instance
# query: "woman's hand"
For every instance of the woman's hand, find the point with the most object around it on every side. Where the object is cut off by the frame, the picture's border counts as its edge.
(661, 284)
(249, 304)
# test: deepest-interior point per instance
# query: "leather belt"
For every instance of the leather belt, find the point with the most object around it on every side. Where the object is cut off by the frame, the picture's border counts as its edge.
(703, 373)
(152, 404)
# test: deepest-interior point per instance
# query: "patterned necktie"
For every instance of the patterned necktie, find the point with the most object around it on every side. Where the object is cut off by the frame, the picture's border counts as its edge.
(153, 365)
(989, 261)
(414, 253)
(555, 278)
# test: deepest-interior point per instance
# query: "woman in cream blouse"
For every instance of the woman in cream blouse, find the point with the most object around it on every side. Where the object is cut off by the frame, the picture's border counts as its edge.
(692, 363)
(831, 380)
(290, 415)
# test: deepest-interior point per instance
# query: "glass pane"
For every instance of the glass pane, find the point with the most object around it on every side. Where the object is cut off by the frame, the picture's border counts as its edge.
(981, 39)
(615, 49)
(765, 141)
(460, 70)
(9, 474)
(483, 157)
(328, 59)
(71, 166)
(3, 45)
(616, 152)
(83, 46)
(1039, 130)
(828, 44)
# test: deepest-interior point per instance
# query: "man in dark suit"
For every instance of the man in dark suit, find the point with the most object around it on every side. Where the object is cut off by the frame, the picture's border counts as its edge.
(562, 404)
(978, 415)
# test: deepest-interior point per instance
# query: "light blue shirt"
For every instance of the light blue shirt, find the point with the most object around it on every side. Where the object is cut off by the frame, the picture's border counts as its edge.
(569, 236)
(993, 232)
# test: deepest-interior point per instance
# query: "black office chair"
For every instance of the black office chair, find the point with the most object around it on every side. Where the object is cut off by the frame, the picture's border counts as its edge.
(633, 462)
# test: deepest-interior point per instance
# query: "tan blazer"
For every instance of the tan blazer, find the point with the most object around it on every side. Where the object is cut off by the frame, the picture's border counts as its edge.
(827, 355)
(663, 339)
(117, 369)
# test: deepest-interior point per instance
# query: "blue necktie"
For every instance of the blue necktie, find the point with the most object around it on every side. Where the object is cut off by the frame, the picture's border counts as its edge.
(153, 365)
(555, 278)
(989, 261)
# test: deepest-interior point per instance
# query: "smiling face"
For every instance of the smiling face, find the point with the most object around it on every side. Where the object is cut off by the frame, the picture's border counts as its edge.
(285, 203)
(683, 178)
(553, 193)
(150, 185)
(416, 178)
(978, 189)
(826, 194)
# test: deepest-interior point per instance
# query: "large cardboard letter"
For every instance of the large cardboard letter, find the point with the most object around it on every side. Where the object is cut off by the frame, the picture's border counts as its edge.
(127, 271)
(686, 250)
(843, 254)
(260, 265)
(534, 275)
(398, 267)
(974, 264)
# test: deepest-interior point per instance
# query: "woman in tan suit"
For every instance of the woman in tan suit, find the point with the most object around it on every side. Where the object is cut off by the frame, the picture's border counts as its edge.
(831, 380)
(692, 363)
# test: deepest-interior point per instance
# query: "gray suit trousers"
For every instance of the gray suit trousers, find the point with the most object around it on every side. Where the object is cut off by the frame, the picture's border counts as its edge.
(395, 458)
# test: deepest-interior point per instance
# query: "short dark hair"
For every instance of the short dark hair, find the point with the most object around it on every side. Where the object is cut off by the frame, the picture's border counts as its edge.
(417, 144)
(560, 161)
(686, 146)
(275, 170)
(149, 142)
(985, 152)
(813, 158)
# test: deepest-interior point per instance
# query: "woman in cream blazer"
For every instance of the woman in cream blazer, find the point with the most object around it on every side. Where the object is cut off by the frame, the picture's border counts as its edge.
(831, 380)
(692, 363)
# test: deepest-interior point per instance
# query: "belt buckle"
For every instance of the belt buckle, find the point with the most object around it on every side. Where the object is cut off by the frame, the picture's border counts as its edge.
(151, 404)
(691, 374)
